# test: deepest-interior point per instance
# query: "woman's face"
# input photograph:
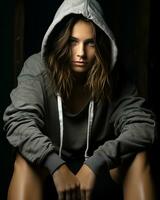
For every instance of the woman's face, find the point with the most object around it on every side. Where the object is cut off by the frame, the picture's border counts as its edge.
(82, 46)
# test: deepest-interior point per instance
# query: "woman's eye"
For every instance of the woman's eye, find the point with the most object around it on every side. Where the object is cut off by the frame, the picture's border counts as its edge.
(72, 41)
(91, 43)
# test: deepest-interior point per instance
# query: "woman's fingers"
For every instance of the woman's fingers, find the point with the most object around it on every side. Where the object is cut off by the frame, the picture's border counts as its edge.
(66, 183)
(86, 179)
(70, 194)
(61, 195)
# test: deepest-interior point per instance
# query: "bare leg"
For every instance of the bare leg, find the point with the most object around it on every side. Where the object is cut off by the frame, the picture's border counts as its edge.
(136, 178)
(26, 182)
(138, 183)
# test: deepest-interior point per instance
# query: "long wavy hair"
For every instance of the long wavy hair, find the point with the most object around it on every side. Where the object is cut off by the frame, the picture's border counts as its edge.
(57, 57)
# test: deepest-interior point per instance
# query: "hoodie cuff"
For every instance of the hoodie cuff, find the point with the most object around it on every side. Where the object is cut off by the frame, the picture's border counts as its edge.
(53, 162)
(96, 163)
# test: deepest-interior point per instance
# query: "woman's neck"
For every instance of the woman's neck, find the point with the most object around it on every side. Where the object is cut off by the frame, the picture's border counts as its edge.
(79, 97)
(79, 79)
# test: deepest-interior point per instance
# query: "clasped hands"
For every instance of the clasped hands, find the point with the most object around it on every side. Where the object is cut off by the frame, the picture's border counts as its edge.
(74, 187)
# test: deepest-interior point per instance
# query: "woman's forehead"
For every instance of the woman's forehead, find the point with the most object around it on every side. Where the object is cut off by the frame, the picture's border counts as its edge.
(82, 29)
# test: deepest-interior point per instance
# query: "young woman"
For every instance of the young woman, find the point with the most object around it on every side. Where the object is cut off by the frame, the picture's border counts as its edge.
(73, 117)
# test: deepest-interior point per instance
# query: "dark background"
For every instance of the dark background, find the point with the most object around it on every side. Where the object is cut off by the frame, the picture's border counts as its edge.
(135, 25)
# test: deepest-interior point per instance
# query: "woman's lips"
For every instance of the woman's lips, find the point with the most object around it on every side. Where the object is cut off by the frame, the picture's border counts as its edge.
(80, 63)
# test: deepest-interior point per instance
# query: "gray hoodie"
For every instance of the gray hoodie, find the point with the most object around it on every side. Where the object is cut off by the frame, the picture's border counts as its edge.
(46, 134)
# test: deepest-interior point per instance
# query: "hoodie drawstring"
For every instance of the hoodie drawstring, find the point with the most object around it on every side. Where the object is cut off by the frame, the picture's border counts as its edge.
(89, 125)
(60, 114)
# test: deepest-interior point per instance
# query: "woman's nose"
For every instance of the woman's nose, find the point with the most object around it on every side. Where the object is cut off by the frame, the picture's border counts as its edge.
(81, 50)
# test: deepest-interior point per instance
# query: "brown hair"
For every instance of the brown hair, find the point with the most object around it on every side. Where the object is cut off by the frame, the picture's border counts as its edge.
(57, 56)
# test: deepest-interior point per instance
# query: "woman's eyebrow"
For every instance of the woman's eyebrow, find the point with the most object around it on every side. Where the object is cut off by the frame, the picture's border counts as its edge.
(73, 38)
(89, 40)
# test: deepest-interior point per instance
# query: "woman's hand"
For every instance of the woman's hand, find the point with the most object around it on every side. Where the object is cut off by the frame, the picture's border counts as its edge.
(86, 179)
(66, 183)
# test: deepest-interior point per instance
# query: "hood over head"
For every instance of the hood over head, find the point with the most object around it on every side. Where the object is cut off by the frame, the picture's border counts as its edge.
(89, 9)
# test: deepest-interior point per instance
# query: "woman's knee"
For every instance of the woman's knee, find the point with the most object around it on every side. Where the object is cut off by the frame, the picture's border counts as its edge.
(138, 172)
(20, 164)
(136, 166)
(28, 170)
(138, 181)
(26, 181)
(139, 165)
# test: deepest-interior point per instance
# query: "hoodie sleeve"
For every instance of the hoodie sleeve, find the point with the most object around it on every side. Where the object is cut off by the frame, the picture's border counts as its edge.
(25, 117)
(134, 127)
